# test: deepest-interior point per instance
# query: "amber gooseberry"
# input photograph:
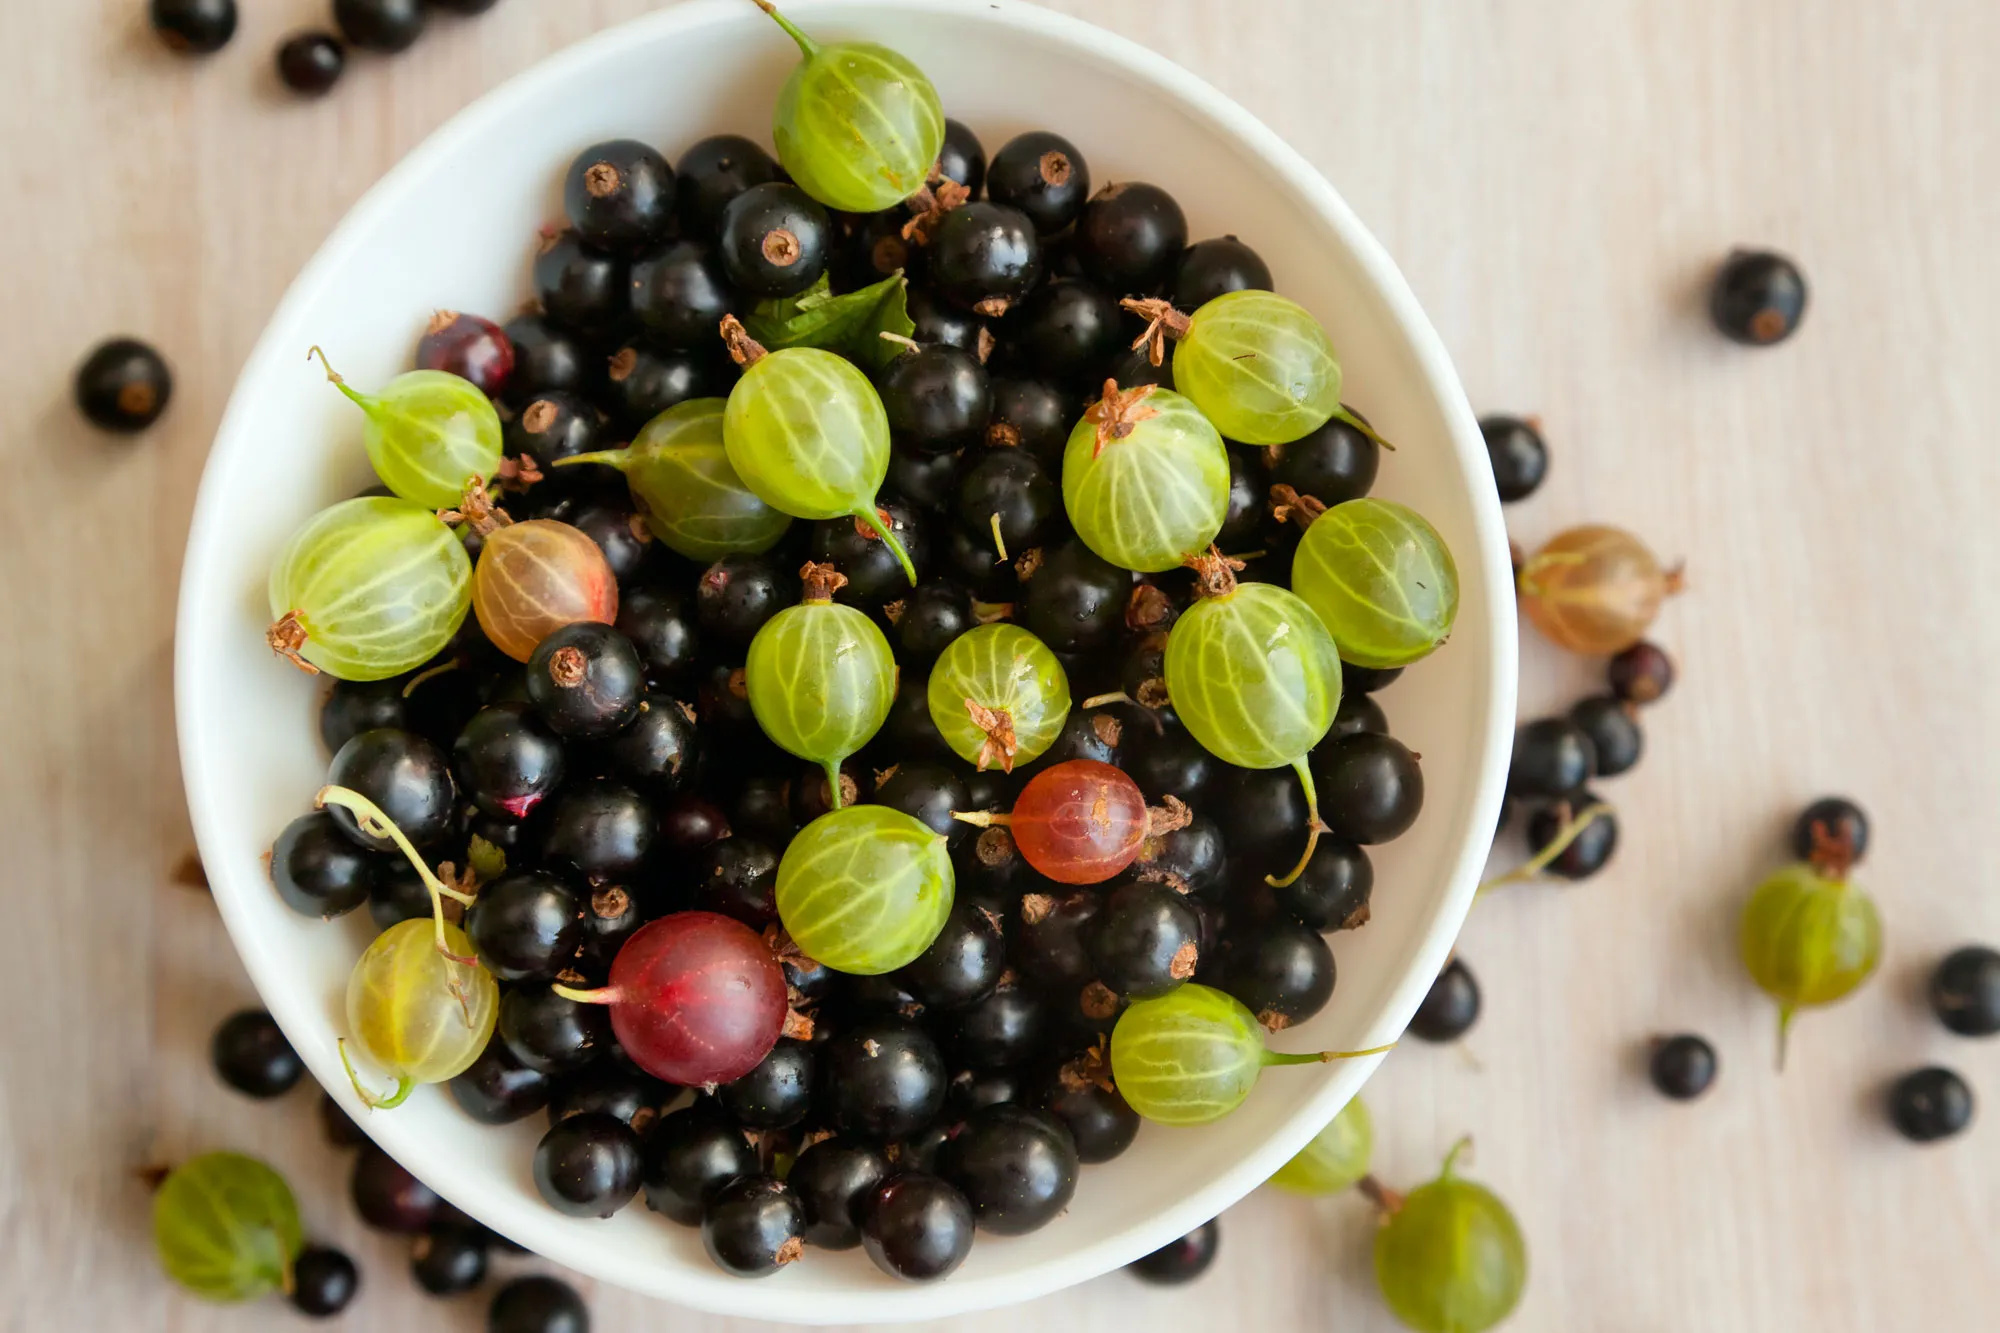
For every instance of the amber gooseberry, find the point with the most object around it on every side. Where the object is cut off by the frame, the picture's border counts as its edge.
(1594, 589)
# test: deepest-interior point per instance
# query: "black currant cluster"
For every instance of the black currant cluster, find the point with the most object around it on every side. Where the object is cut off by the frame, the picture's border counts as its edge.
(308, 62)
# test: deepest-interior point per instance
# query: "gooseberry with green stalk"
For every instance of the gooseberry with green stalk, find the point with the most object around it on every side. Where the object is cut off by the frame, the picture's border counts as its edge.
(368, 589)
(857, 125)
(419, 1003)
(428, 430)
(1336, 1159)
(820, 676)
(806, 433)
(691, 498)
(1145, 478)
(1809, 934)
(1257, 364)
(1192, 1055)
(1376, 573)
(226, 1227)
(865, 889)
(998, 696)
(1255, 678)
(1449, 1256)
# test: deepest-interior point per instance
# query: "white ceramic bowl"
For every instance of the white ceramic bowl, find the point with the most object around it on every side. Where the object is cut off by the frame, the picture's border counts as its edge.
(450, 228)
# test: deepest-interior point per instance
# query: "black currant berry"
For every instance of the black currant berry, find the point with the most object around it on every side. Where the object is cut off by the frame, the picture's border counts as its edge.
(1451, 1007)
(834, 1179)
(1834, 820)
(660, 751)
(853, 547)
(550, 1032)
(582, 288)
(547, 360)
(932, 615)
(1081, 1095)
(588, 1165)
(1641, 674)
(1016, 1166)
(1682, 1067)
(388, 1197)
(962, 158)
(1553, 758)
(1333, 891)
(1282, 971)
(1333, 464)
(251, 1055)
(1076, 600)
(1033, 415)
(963, 963)
(934, 320)
(712, 173)
(753, 1226)
(775, 240)
(884, 1080)
(526, 924)
(1145, 940)
(984, 257)
(388, 26)
(408, 780)
(1208, 269)
(123, 386)
(318, 870)
(680, 295)
(917, 1227)
(195, 27)
(324, 1281)
(1180, 1261)
(1066, 331)
(661, 625)
(1613, 728)
(738, 877)
(777, 1093)
(555, 424)
(1004, 1027)
(619, 196)
(1129, 237)
(1758, 298)
(1012, 487)
(449, 1260)
(507, 762)
(1042, 175)
(1965, 991)
(1930, 1104)
(937, 398)
(311, 62)
(1519, 456)
(1592, 848)
(586, 681)
(537, 1305)
(738, 593)
(609, 1089)
(646, 381)
(604, 830)
(690, 1154)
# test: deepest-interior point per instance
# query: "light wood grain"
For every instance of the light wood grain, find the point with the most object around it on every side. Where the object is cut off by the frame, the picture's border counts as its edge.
(1556, 179)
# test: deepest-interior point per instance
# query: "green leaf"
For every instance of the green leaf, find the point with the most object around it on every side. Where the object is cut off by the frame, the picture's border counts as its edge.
(849, 324)
(488, 861)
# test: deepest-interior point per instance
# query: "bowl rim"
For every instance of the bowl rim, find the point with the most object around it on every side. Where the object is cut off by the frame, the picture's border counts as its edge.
(570, 1245)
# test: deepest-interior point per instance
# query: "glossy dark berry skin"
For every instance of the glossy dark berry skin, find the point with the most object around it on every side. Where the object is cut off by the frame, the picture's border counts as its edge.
(1553, 758)
(1052, 937)
(537, 1305)
(1183, 1260)
(1965, 991)
(1192, 859)
(387, 26)
(1265, 815)
(1334, 890)
(1758, 298)
(123, 386)
(961, 964)
(311, 62)
(399, 894)
(464, 6)
(680, 295)
(449, 1261)
(1518, 453)
(753, 1226)
(555, 424)
(1033, 415)
(1015, 486)
(318, 870)
(833, 1180)
(929, 792)
(324, 1281)
(1593, 847)
(937, 397)
(690, 1154)
(738, 593)
(1682, 1067)
(962, 158)
(872, 246)
(1451, 1008)
(1282, 971)
(464, 345)
(884, 1080)
(713, 172)
(1076, 600)
(588, 1165)
(1016, 1166)
(1839, 819)
(1129, 238)
(1101, 1124)
(937, 321)
(1006, 1026)
(1642, 674)
(388, 1197)
(619, 195)
(1145, 939)
(506, 761)
(646, 381)
(251, 1055)
(194, 27)
(546, 360)
(1043, 176)
(917, 1227)
(689, 823)
(352, 707)
(604, 830)
(738, 877)
(610, 1089)
(775, 240)
(1066, 331)
(1208, 269)
(1367, 680)
(661, 625)
(970, 558)
(581, 288)
(777, 1093)
(1930, 1104)
(549, 1032)
(586, 681)
(984, 257)
(1169, 762)
(935, 612)
(1613, 728)
(1134, 367)
(526, 924)
(660, 751)
(763, 811)
(1333, 464)
(498, 1089)
(873, 573)
(406, 776)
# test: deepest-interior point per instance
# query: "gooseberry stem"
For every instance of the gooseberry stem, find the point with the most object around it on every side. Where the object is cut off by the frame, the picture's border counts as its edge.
(431, 673)
(831, 767)
(404, 1085)
(1341, 413)
(1313, 826)
(1388, 1200)
(806, 44)
(1323, 1057)
(1545, 858)
(1786, 1013)
(360, 400)
(617, 458)
(1464, 1144)
(373, 822)
(874, 520)
(601, 995)
(1099, 700)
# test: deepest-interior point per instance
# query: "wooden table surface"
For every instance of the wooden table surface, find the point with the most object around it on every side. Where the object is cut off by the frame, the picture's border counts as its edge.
(1556, 179)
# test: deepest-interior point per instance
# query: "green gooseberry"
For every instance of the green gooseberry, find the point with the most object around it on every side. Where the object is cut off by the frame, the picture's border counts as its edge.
(857, 125)
(681, 480)
(226, 1227)
(1809, 936)
(1336, 1159)
(1449, 1256)
(821, 676)
(429, 434)
(998, 696)
(1145, 478)
(1378, 576)
(865, 889)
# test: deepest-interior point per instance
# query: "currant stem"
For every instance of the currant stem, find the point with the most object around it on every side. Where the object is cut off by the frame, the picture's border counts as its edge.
(1313, 827)
(360, 400)
(404, 1085)
(1451, 1158)
(1099, 700)
(874, 520)
(806, 44)
(999, 542)
(1323, 1057)
(432, 674)
(982, 818)
(1342, 414)
(1786, 1013)
(1388, 1200)
(374, 823)
(602, 995)
(1545, 858)
(618, 458)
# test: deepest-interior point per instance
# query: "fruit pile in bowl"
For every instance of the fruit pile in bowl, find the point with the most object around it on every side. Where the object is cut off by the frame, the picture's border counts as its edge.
(855, 719)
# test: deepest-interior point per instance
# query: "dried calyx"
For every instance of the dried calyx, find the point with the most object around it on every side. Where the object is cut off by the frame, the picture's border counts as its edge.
(1118, 413)
(1214, 572)
(1000, 745)
(743, 349)
(1162, 322)
(476, 509)
(939, 196)
(1287, 503)
(821, 581)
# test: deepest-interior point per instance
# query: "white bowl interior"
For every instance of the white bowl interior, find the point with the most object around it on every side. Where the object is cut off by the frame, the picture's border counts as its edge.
(452, 227)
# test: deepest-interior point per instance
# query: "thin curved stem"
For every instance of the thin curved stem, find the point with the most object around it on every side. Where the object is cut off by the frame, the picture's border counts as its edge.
(1786, 1013)
(868, 515)
(373, 822)
(1545, 858)
(602, 995)
(431, 673)
(1099, 700)
(806, 44)
(618, 458)
(832, 770)
(1342, 414)
(1313, 827)
(1388, 1200)
(982, 818)
(1323, 1057)
(404, 1085)
(999, 542)
(1463, 1145)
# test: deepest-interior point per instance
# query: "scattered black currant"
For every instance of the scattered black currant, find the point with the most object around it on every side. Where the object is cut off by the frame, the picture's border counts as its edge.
(1930, 1104)
(1682, 1067)
(537, 1305)
(1613, 728)
(318, 870)
(646, 381)
(388, 1197)
(1641, 674)
(557, 423)
(609, 1089)
(874, 575)
(324, 1281)
(1076, 601)
(1452, 1006)
(123, 386)
(1836, 820)
(311, 62)
(930, 617)
(1183, 1260)
(1519, 456)
(449, 1260)
(1553, 758)
(737, 876)
(661, 750)
(388, 26)
(337, 1126)
(1965, 991)
(1367, 680)
(936, 321)
(251, 1055)
(1009, 490)
(547, 360)
(1591, 850)
(1334, 890)
(1081, 1095)
(195, 27)
(1359, 713)
(1033, 415)
(1758, 298)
